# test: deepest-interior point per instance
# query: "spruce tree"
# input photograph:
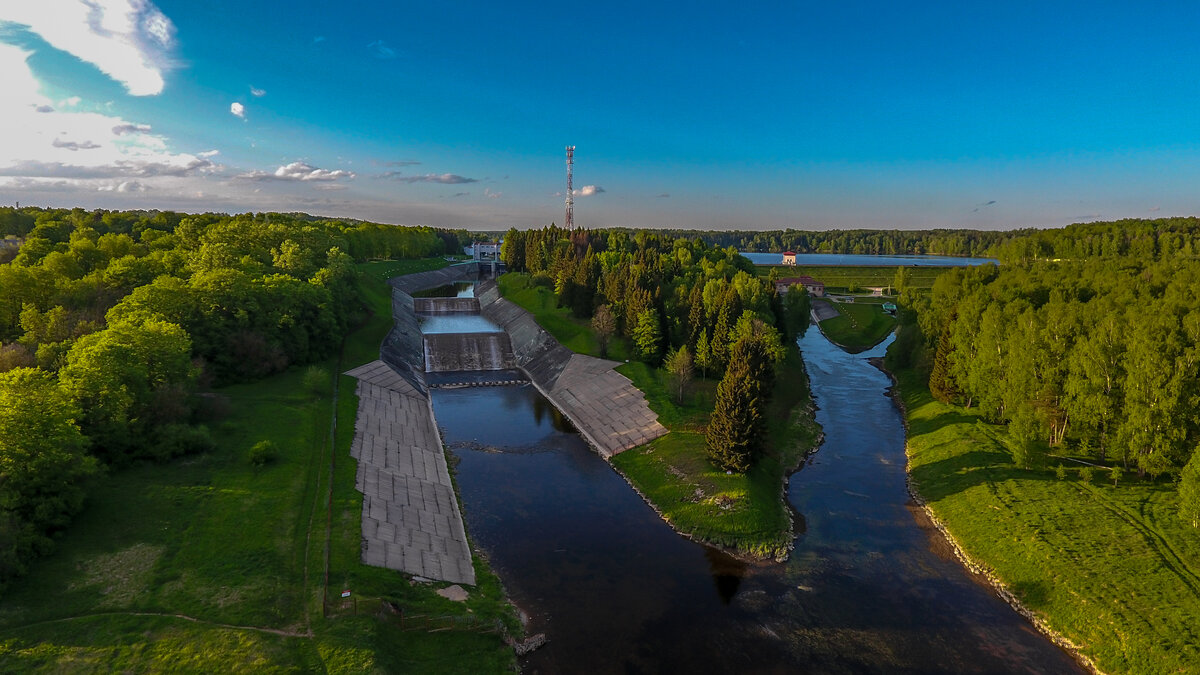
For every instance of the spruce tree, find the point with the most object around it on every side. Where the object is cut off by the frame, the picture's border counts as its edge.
(940, 384)
(731, 430)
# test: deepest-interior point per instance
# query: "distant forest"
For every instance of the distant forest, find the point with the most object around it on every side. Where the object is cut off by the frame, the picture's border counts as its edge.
(110, 322)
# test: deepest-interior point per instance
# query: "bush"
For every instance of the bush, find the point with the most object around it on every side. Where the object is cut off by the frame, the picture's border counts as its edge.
(1085, 474)
(316, 380)
(1060, 472)
(174, 440)
(263, 453)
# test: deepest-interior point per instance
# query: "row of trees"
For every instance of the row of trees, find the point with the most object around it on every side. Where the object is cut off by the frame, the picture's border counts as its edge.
(109, 321)
(862, 242)
(703, 307)
(1097, 354)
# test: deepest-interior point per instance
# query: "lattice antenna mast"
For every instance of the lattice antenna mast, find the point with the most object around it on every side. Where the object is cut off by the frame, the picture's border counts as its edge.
(570, 189)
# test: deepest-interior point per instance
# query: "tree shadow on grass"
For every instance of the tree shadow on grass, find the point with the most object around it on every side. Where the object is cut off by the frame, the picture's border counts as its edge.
(937, 480)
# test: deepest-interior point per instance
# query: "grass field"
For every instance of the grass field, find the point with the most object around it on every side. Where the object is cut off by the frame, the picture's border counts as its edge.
(741, 512)
(860, 325)
(1110, 567)
(207, 564)
(574, 334)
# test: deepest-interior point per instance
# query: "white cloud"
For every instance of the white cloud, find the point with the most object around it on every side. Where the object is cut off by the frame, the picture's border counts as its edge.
(255, 91)
(487, 192)
(208, 153)
(443, 178)
(237, 109)
(128, 40)
(124, 186)
(122, 129)
(76, 147)
(298, 171)
(380, 50)
(589, 190)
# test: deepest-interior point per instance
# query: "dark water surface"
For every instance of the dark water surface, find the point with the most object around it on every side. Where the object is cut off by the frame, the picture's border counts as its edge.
(867, 589)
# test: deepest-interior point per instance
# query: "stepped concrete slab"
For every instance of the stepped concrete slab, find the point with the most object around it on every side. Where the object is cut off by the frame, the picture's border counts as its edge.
(410, 520)
(603, 404)
(446, 305)
(454, 352)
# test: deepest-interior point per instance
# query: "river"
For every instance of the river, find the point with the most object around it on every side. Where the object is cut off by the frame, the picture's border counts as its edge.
(868, 589)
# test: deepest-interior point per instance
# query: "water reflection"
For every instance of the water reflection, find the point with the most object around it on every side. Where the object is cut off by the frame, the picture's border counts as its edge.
(617, 591)
(459, 289)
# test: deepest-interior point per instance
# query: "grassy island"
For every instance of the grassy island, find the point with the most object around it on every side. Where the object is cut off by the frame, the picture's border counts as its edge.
(745, 513)
(1110, 567)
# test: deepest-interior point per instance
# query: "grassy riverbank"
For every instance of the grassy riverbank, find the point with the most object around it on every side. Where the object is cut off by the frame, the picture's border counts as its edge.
(209, 564)
(745, 513)
(860, 325)
(1110, 567)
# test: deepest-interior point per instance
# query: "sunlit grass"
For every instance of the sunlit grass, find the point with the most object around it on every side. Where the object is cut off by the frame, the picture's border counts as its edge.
(859, 326)
(237, 552)
(1112, 568)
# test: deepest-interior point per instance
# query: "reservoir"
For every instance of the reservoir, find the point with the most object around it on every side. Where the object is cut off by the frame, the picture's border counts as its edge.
(853, 260)
(869, 588)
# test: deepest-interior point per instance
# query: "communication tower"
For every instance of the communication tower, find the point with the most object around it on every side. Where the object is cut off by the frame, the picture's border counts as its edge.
(570, 189)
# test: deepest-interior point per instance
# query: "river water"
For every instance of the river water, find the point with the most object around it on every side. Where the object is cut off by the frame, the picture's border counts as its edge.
(867, 590)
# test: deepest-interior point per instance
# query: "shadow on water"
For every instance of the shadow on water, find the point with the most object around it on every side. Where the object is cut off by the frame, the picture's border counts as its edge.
(616, 591)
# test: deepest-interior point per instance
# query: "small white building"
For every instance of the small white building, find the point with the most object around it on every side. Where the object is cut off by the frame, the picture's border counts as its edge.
(789, 258)
(485, 250)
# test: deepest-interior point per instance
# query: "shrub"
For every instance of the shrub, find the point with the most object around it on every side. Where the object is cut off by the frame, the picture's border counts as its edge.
(316, 380)
(1060, 472)
(174, 440)
(1085, 474)
(263, 453)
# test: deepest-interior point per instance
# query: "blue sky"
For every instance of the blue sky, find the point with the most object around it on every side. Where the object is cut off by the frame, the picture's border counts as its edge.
(803, 115)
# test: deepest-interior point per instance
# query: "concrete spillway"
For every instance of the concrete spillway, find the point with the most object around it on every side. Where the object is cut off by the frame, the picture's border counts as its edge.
(451, 352)
(446, 305)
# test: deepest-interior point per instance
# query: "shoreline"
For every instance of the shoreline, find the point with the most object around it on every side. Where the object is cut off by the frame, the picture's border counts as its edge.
(780, 555)
(980, 571)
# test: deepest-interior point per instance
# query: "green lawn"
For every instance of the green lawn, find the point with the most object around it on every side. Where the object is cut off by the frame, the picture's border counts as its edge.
(574, 334)
(1112, 568)
(206, 564)
(742, 512)
(860, 325)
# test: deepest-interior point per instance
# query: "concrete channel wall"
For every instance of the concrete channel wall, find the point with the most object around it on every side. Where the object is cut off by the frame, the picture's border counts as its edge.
(605, 407)
(404, 349)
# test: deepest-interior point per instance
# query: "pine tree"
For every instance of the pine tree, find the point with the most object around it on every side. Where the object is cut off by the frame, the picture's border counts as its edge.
(731, 429)
(704, 358)
(940, 384)
(647, 336)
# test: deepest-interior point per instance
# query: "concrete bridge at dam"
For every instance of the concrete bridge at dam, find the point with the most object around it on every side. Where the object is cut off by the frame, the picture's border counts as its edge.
(411, 521)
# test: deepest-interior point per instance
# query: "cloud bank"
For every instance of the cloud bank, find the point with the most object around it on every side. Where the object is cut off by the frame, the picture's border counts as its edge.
(128, 40)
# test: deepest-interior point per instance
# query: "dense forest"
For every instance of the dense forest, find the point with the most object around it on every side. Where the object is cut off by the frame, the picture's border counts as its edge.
(1085, 342)
(863, 242)
(679, 300)
(111, 322)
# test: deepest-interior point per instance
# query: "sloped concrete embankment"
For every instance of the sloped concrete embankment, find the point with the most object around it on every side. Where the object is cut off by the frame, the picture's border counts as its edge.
(609, 412)
(404, 349)
(410, 519)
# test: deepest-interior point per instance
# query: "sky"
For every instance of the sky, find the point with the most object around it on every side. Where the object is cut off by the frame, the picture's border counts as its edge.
(701, 115)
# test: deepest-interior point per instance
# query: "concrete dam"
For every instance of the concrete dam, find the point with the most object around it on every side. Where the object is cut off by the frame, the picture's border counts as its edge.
(457, 339)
